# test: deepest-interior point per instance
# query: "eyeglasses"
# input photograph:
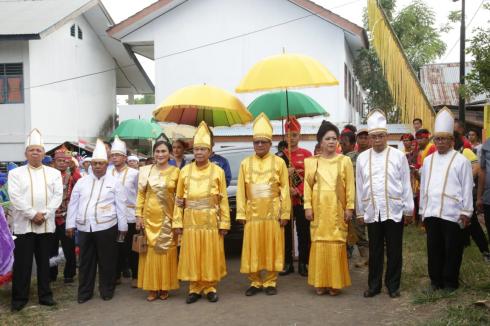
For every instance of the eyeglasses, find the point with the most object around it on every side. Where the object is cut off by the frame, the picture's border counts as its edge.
(261, 142)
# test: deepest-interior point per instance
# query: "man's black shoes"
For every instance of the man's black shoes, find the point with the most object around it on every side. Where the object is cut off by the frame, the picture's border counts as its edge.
(252, 291)
(288, 269)
(192, 297)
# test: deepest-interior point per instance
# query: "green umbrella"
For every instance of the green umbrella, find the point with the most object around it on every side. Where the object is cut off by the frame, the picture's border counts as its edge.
(275, 105)
(137, 129)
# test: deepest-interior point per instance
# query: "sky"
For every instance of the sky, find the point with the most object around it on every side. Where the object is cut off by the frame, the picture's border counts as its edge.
(352, 10)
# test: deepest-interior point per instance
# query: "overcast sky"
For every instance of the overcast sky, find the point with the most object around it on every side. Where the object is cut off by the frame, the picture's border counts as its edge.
(351, 10)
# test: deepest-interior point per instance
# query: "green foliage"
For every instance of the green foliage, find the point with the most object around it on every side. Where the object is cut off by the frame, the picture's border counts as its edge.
(146, 99)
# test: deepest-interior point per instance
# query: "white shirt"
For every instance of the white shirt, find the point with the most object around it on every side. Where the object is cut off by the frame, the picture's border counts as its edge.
(446, 186)
(32, 190)
(383, 188)
(129, 179)
(97, 204)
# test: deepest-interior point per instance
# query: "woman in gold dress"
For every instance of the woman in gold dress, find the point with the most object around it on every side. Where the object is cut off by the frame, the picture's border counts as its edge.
(157, 271)
(329, 203)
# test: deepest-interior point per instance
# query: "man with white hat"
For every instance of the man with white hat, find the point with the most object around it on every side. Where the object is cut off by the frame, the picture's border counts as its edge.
(86, 166)
(98, 210)
(446, 204)
(133, 161)
(35, 192)
(384, 203)
(129, 179)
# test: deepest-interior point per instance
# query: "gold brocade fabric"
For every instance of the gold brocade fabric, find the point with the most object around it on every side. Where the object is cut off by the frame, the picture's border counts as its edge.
(329, 190)
(262, 200)
(205, 211)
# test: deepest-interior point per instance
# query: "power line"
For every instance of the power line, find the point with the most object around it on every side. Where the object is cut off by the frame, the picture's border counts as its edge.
(196, 47)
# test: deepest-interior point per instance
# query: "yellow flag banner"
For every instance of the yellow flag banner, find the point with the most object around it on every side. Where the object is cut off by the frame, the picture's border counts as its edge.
(486, 122)
(402, 81)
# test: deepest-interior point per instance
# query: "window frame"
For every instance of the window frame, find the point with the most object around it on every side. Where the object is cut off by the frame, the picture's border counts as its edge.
(4, 90)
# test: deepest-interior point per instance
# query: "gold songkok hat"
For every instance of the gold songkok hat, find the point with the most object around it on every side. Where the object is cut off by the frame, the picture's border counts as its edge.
(118, 146)
(262, 127)
(376, 122)
(444, 124)
(202, 137)
(34, 139)
(100, 153)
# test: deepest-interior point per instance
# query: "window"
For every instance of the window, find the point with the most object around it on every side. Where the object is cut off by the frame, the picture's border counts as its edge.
(11, 83)
(80, 33)
(72, 30)
(345, 82)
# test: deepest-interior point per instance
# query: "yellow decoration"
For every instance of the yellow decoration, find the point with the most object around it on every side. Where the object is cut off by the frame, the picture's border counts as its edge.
(286, 71)
(202, 138)
(402, 81)
(486, 123)
(262, 127)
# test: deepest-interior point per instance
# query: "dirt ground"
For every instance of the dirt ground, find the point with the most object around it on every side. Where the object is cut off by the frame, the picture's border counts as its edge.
(295, 304)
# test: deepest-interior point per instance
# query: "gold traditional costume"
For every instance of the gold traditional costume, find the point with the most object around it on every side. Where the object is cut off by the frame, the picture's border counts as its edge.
(157, 269)
(205, 211)
(329, 191)
(262, 201)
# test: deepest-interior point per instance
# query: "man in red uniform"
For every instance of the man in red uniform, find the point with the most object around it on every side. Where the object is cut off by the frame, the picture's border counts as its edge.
(296, 176)
(62, 160)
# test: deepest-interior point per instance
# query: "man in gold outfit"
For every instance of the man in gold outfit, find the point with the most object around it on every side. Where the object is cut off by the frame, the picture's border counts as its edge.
(263, 205)
(202, 217)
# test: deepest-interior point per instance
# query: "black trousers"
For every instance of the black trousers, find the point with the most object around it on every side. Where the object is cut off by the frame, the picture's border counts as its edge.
(303, 232)
(26, 246)
(379, 233)
(486, 214)
(444, 252)
(68, 246)
(127, 257)
(97, 249)
(475, 231)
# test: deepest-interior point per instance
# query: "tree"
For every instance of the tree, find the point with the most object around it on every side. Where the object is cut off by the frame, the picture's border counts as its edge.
(146, 99)
(414, 26)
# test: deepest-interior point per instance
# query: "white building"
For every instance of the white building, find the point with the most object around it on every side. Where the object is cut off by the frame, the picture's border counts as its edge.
(60, 72)
(218, 41)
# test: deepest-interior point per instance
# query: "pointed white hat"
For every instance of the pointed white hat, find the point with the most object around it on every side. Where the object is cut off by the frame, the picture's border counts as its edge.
(34, 139)
(444, 124)
(133, 158)
(118, 146)
(99, 154)
(376, 121)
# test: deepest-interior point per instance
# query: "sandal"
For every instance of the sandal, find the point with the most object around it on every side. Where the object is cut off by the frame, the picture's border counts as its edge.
(320, 291)
(152, 296)
(163, 295)
(333, 292)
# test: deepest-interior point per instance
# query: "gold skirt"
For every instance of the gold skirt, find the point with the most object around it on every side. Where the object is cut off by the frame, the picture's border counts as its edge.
(328, 266)
(158, 271)
(202, 255)
(263, 247)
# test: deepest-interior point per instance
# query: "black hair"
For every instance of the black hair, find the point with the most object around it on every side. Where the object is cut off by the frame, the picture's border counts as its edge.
(282, 144)
(417, 119)
(350, 136)
(162, 142)
(325, 127)
(108, 143)
(182, 142)
(422, 131)
(458, 140)
(351, 128)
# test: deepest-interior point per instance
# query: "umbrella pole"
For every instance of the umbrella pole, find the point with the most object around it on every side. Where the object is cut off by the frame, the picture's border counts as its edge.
(290, 181)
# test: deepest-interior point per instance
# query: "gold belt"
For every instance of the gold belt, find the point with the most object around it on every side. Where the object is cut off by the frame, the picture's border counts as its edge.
(202, 203)
(262, 190)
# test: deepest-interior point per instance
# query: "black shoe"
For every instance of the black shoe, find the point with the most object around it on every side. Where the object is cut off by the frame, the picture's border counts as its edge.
(69, 280)
(252, 291)
(288, 269)
(370, 293)
(212, 296)
(83, 300)
(126, 273)
(271, 290)
(302, 269)
(394, 294)
(107, 297)
(17, 308)
(47, 302)
(192, 297)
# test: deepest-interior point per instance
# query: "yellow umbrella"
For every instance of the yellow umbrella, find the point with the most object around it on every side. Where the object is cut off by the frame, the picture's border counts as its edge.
(285, 71)
(193, 104)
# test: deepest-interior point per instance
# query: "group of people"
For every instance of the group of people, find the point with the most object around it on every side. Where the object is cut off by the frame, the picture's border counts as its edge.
(354, 180)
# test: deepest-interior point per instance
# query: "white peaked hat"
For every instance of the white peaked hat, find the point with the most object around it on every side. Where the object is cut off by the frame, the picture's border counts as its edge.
(34, 139)
(100, 153)
(444, 124)
(376, 121)
(118, 146)
(133, 158)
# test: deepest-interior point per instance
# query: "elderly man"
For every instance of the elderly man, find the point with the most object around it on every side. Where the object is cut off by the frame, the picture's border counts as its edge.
(98, 210)
(35, 192)
(263, 205)
(384, 202)
(446, 204)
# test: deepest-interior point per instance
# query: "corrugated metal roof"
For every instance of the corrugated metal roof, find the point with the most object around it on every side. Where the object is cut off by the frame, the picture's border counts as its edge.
(441, 83)
(28, 17)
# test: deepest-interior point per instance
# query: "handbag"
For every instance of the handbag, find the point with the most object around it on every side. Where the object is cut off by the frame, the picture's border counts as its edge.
(139, 243)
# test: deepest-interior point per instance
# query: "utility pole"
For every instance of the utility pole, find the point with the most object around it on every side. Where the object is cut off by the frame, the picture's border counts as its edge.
(462, 39)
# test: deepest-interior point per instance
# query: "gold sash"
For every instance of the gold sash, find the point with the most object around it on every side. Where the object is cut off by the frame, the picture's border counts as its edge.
(202, 203)
(262, 190)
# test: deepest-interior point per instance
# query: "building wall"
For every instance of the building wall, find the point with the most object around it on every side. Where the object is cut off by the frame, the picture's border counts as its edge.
(73, 108)
(14, 118)
(195, 23)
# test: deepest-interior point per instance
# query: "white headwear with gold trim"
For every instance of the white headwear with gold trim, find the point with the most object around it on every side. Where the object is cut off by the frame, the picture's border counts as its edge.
(118, 146)
(444, 124)
(202, 137)
(100, 153)
(376, 121)
(34, 139)
(262, 127)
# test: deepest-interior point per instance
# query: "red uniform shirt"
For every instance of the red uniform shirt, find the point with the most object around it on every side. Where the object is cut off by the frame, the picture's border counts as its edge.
(298, 157)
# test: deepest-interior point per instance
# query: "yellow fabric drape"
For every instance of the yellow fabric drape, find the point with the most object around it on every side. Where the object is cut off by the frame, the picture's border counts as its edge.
(402, 81)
